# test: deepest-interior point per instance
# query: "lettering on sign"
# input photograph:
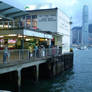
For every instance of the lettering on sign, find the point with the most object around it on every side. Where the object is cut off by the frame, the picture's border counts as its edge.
(46, 18)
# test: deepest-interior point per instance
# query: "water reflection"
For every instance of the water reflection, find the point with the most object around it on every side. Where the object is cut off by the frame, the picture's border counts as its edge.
(58, 85)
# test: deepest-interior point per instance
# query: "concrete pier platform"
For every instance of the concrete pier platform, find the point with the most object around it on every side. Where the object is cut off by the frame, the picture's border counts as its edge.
(19, 65)
(44, 67)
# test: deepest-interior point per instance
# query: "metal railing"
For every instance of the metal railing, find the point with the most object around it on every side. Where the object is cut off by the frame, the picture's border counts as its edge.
(15, 55)
(24, 54)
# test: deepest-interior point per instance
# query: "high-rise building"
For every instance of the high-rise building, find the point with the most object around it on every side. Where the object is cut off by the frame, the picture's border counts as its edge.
(76, 35)
(84, 41)
(90, 35)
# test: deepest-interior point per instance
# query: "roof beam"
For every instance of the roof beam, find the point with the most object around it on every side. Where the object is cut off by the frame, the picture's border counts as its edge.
(6, 17)
(3, 10)
(19, 15)
(13, 13)
(0, 2)
(23, 13)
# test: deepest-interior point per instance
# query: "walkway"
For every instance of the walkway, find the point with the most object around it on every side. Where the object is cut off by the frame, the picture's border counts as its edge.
(14, 66)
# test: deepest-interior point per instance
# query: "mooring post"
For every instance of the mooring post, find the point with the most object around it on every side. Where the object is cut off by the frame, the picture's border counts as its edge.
(19, 80)
(37, 72)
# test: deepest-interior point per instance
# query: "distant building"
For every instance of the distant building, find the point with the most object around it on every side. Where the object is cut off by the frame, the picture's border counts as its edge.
(76, 35)
(81, 35)
(90, 28)
(90, 34)
(84, 41)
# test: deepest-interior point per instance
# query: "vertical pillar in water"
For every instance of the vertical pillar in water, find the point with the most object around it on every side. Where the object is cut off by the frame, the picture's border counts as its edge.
(8, 24)
(37, 72)
(19, 80)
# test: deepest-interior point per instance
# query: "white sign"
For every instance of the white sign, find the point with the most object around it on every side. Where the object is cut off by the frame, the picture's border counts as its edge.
(37, 34)
(45, 18)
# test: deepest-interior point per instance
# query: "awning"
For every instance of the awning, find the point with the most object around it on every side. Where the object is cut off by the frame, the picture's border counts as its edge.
(9, 12)
(26, 33)
(37, 34)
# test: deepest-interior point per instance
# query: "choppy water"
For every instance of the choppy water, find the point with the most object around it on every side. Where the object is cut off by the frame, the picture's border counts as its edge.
(79, 79)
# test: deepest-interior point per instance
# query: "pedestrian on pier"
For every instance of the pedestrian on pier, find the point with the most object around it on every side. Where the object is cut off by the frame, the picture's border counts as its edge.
(30, 51)
(6, 53)
(42, 51)
(53, 51)
(36, 50)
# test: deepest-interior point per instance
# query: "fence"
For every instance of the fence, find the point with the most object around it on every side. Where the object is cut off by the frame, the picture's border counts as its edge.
(24, 54)
(15, 55)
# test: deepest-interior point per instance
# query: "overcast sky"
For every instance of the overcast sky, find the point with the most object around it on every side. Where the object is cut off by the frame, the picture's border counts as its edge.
(73, 8)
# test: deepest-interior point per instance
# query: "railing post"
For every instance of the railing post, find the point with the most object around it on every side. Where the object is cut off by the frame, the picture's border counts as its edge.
(37, 72)
(19, 80)
(28, 54)
(35, 54)
(19, 54)
(8, 59)
(8, 24)
(46, 52)
(13, 24)
(3, 23)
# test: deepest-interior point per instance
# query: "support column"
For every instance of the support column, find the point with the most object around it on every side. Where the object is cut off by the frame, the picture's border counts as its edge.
(19, 80)
(13, 24)
(22, 42)
(3, 23)
(8, 24)
(25, 23)
(37, 72)
(31, 23)
(49, 42)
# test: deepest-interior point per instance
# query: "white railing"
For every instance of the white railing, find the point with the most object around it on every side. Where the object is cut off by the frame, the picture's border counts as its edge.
(15, 55)
(24, 54)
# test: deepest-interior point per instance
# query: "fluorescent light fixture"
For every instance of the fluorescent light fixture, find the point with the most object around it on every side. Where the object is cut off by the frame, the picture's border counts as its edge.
(21, 36)
(12, 35)
(24, 36)
(46, 39)
(27, 39)
(0, 18)
(1, 36)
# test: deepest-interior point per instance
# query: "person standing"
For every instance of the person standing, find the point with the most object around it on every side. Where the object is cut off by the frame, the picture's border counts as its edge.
(6, 53)
(30, 52)
(43, 51)
(36, 50)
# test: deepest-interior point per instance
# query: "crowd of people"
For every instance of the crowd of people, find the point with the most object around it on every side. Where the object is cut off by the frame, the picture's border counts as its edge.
(42, 51)
(38, 51)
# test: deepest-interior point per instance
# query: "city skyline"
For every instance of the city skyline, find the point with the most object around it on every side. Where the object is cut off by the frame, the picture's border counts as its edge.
(82, 35)
(85, 23)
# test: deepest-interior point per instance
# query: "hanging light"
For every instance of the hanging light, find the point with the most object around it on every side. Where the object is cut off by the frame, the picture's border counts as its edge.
(0, 18)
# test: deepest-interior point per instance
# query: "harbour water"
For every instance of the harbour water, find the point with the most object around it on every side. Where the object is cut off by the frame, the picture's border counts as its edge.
(78, 79)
